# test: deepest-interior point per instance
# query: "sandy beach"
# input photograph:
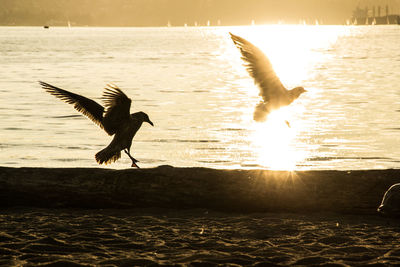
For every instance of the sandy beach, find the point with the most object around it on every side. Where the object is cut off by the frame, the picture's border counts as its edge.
(73, 237)
(195, 216)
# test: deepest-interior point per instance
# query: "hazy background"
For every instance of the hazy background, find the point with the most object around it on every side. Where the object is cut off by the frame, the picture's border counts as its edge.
(180, 12)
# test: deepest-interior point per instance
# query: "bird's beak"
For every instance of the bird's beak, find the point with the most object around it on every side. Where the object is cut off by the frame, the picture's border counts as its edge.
(149, 121)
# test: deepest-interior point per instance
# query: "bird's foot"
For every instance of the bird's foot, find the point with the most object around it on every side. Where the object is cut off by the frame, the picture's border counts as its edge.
(135, 165)
(132, 158)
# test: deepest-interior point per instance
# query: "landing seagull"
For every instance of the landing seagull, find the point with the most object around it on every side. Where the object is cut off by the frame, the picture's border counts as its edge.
(114, 118)
(274, 94)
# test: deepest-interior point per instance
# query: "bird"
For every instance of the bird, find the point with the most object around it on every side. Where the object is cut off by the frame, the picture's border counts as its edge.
(274, 95)
(390, 204)
(114, 118)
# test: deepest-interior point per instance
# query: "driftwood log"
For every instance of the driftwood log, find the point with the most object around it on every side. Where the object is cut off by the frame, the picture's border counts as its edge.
(357, 192)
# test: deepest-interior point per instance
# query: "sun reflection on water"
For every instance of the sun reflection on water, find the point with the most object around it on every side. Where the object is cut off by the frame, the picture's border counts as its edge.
(294, 51)
(274, 141)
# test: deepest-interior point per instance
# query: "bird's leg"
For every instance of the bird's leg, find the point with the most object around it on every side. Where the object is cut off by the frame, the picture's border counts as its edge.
(132, 158)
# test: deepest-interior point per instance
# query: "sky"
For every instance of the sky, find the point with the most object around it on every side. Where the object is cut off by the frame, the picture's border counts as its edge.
(180, 12)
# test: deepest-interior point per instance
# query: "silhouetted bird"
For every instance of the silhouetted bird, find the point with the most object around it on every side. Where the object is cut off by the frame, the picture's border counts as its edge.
(114, 118)
(273, 93)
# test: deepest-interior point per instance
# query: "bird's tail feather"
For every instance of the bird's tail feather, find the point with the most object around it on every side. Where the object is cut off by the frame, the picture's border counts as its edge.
(107, 155)
(261, 112)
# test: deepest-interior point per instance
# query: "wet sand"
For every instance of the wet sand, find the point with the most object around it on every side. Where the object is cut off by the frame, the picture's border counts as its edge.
(195, 216)
(348, 192)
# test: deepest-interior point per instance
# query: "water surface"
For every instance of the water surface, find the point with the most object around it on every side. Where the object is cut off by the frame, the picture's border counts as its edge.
(192, 84)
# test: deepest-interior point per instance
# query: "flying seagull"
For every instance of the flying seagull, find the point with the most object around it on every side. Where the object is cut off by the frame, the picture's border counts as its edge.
(114, 118)
(274, 94)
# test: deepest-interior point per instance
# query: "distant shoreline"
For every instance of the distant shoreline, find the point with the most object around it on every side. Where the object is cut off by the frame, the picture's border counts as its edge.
(188, 26)
(347, 192)
(46, 27)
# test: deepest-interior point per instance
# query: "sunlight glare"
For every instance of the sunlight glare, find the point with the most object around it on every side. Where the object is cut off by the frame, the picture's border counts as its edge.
(274, 141)
(294, 52)
(292, 49)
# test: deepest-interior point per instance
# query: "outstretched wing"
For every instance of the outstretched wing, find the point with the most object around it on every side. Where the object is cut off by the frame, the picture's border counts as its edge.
(260, 68)
(117, 106)
(86, 106)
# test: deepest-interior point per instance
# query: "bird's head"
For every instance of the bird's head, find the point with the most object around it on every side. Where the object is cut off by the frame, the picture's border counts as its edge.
(143, 117)
(296, 92)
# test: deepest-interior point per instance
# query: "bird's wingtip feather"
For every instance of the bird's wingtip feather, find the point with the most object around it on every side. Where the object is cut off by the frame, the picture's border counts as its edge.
(42, 83)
